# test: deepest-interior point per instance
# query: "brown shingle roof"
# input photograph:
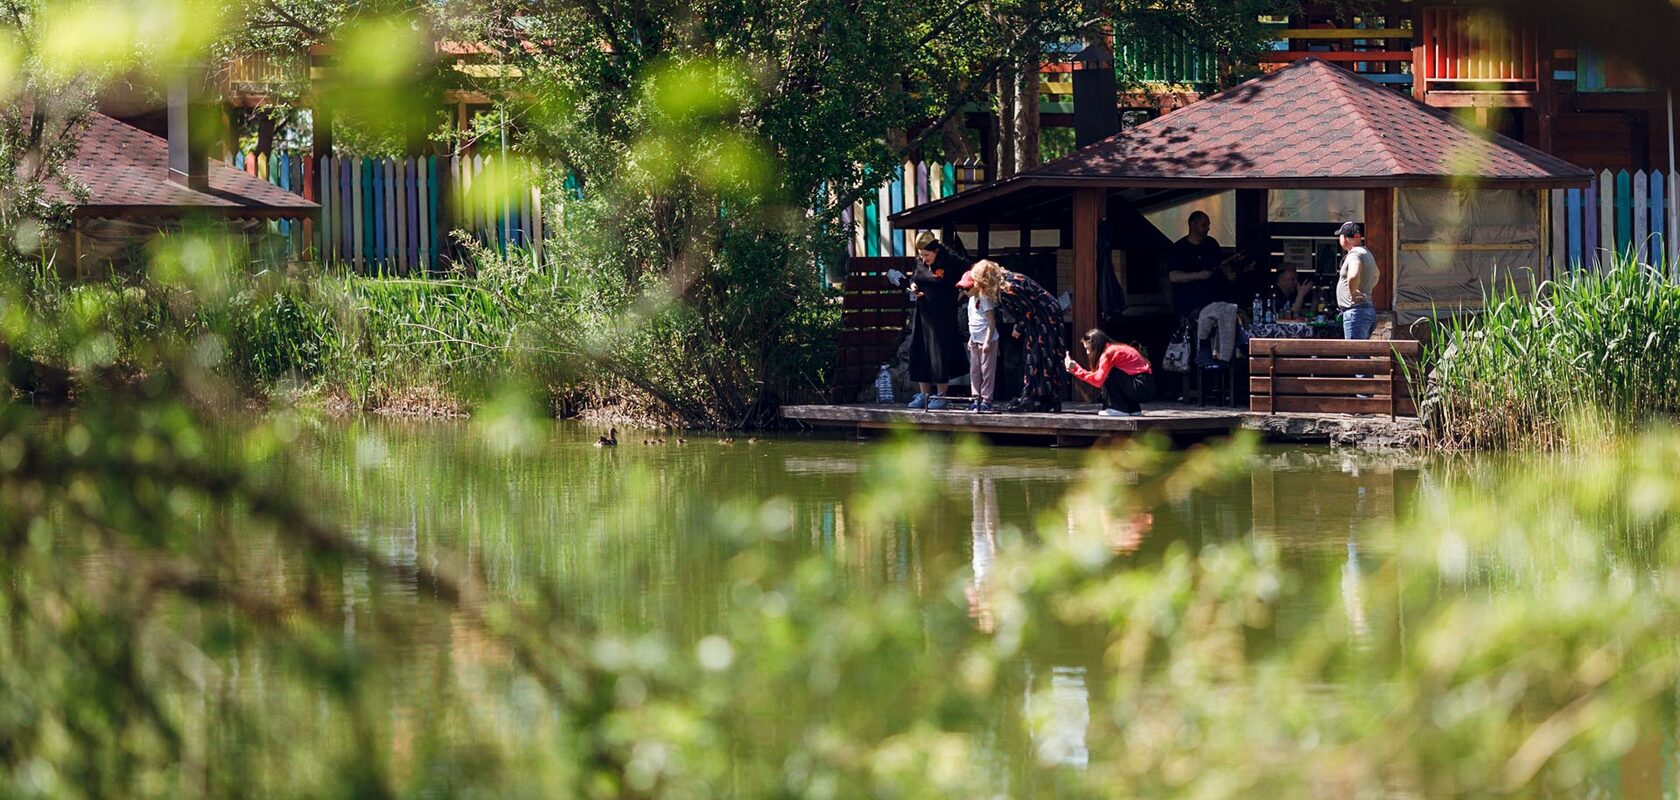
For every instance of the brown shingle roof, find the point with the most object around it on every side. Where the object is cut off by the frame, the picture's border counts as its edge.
(1311, 122)
(1308, 125)
(126, 173)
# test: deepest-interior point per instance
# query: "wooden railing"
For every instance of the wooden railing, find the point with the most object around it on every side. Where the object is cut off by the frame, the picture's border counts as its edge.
(1376, 53)
(1333, 376)
(1467, 49)
(264, 70)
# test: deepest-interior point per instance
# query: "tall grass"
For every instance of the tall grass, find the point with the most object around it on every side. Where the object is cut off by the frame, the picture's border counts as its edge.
(1593, 350)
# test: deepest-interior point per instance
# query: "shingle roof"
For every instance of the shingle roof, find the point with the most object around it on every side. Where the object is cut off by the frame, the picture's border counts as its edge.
(1311, 122)
(126, 172)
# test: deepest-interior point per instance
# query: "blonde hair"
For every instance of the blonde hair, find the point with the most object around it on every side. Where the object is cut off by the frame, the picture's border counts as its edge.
(988, 279)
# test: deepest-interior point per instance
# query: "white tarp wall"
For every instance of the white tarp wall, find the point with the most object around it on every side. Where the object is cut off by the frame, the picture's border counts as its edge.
(1329, 206)
(1457, 245)
(1174, 219)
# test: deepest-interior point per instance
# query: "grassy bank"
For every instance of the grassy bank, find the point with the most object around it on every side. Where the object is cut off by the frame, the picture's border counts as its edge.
(1593, 350)
(571, 341)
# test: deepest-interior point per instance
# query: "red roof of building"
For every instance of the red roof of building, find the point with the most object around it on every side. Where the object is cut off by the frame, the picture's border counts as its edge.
(1312, 121)
(1308, 125)
(126, 172)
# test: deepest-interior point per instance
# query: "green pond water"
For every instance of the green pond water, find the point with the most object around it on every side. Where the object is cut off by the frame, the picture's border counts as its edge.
(626, 537)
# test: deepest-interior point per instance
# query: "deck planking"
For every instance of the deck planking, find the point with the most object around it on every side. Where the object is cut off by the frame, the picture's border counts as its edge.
(1077, 420)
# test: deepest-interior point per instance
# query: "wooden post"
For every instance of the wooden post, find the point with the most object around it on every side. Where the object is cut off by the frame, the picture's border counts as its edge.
(76, 247)
(1547, 112)
(321, 137)
(1087, 212)
(1253, 238)
(984, 248)
(1379, 239)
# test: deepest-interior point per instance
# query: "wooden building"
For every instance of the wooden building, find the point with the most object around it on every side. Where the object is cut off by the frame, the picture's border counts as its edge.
(1447, 207)
(137, 184)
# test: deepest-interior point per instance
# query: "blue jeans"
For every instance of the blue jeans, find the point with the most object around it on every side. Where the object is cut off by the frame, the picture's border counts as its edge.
(1357, 321)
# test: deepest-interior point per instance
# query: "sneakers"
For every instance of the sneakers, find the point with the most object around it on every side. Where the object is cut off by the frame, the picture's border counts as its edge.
(985, 407)
(919, 401)
(938, 403)
(1115, 412)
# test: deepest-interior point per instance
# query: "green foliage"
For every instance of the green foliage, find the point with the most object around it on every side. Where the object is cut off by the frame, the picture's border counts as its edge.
(1594, 349)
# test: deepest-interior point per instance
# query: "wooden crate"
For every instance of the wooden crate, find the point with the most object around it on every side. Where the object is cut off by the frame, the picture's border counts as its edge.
(1333, 376)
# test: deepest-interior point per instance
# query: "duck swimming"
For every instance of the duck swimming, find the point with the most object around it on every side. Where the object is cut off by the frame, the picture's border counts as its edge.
(610, 440)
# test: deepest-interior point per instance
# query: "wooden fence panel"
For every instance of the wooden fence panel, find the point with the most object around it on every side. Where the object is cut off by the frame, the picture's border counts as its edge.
(912, 184)
(1641, 218)
(1614, 215)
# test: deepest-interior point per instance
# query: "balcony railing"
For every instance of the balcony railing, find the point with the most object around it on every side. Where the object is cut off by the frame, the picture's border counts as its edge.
(263, 71)
(1472, 50)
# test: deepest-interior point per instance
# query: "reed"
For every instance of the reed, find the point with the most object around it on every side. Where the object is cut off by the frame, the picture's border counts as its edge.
(1592, 353)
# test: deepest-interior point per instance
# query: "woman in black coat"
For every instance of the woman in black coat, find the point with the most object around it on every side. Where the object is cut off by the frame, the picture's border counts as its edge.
(937, 353)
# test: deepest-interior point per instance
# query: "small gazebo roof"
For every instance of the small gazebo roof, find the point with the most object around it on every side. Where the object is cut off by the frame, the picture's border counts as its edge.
(1308, 125)
(126, 173)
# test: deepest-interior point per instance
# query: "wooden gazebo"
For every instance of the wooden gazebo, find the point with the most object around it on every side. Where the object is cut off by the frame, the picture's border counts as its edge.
(1446, 205)
(136, 183)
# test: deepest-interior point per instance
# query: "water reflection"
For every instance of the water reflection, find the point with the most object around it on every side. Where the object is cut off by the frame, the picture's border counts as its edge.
(982, 550)
(617, 535)
(1353, 600)
(1060, 718)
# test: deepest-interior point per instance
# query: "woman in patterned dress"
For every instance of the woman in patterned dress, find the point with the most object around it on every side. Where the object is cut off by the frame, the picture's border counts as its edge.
(1038, 325)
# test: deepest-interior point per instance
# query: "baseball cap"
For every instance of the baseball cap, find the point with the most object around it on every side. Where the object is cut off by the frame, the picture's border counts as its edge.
(967, 279)
(1349, 229)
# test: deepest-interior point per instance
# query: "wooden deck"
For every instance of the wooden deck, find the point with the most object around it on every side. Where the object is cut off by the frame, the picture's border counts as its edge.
(1078, 423)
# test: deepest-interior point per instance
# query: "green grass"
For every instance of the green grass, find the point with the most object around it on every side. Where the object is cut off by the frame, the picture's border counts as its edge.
(1593, 350)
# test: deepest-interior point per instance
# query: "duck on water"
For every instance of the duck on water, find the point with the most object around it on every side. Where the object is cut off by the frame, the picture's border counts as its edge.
(610, 440)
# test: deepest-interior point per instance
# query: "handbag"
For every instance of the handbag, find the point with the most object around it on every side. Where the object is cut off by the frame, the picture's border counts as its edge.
(1177, 356)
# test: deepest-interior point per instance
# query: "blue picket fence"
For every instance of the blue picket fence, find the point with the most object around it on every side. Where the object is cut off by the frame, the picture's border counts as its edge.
(1619, 212)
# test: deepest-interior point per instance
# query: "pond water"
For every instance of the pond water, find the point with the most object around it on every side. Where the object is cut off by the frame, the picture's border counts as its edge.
(626, 536)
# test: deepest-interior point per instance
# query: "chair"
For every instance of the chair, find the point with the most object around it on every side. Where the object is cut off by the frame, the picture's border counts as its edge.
(1210, 381)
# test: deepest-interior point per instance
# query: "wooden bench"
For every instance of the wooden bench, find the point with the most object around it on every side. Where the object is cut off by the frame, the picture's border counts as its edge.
(1333, 376)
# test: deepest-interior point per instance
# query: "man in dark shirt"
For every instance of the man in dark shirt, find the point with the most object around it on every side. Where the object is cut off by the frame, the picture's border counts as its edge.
(1192, 265)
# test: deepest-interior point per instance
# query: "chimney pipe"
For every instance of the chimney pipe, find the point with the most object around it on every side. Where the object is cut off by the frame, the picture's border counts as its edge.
(192, 128)
(1096, 96)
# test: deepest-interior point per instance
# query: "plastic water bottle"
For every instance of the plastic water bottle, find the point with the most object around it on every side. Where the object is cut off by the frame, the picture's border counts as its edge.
(1255, 312)
(1271, 315)
(883, 387)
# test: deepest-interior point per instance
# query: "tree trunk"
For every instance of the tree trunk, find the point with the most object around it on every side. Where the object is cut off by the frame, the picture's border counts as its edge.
(953, 141)
(1007, 91)
(1026, 113)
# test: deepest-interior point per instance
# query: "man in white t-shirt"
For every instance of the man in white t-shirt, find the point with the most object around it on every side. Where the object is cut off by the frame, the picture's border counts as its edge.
(1354, 281)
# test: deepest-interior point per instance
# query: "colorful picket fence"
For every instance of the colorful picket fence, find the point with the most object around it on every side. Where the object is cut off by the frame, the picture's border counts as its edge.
(912, 184)
(395, 215)
(1619, 213)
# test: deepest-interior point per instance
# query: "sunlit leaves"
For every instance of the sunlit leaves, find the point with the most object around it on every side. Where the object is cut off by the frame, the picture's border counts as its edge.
(379, 76)
(106, 37)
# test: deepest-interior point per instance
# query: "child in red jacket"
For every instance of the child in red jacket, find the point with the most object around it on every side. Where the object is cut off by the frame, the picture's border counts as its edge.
(1120, 371)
